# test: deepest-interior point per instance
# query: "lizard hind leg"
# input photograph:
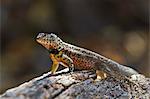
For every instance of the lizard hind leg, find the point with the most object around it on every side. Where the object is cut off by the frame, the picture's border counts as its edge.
(100, 75)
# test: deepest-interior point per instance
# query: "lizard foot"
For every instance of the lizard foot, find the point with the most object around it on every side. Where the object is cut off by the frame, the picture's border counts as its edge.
(100, 75)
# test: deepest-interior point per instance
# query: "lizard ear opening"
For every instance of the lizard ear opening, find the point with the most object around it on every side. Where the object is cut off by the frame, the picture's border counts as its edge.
(53, 51)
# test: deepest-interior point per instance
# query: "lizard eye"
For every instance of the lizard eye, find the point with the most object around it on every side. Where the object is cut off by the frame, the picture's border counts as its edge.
(41, 35)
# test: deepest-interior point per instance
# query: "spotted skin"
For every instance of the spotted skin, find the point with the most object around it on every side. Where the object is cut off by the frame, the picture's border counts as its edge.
(76, 57)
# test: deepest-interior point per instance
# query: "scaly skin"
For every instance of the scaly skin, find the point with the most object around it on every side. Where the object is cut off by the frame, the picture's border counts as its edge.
(76, 57)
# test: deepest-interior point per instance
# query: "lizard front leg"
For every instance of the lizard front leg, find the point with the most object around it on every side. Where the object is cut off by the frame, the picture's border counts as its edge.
(55, 64)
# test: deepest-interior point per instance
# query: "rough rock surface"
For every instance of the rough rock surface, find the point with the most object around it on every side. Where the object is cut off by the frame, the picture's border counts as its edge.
(78, 85)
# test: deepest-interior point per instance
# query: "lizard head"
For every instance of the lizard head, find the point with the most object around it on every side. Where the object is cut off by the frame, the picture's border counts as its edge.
(49, 41)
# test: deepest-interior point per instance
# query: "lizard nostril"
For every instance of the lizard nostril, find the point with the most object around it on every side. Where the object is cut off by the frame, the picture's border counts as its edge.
(40, 35)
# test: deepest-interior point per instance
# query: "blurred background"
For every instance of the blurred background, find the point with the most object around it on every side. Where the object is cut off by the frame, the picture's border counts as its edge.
(116, 29)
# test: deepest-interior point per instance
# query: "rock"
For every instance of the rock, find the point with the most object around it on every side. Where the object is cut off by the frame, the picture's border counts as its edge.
(78, 85)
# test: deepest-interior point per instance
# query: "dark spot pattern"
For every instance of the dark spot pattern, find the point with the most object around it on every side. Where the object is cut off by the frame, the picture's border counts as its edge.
(82, 58)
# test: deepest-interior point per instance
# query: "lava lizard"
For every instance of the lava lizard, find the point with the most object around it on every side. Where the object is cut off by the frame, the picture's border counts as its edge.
(76, 57)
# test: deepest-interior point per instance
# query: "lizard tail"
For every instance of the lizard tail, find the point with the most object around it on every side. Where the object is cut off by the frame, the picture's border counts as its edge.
(127, 70)
(116, 69)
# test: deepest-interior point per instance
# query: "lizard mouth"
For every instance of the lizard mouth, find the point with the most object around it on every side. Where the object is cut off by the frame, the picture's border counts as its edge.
(38, 40)
(43, 43)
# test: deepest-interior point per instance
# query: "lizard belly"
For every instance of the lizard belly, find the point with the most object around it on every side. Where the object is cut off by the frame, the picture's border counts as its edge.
(83, 63)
